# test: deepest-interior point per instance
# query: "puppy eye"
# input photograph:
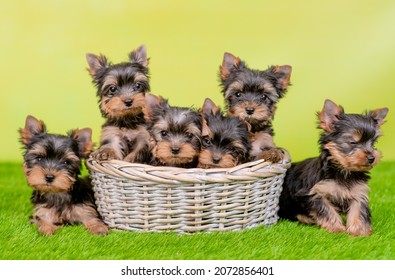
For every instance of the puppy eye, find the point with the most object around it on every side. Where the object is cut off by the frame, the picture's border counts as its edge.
(163, 133)
(353, 143)
(263, 98)
(113, 89)
(137, 86)
(207, 142)
(238, 94)
(189, 135)
(39, 158)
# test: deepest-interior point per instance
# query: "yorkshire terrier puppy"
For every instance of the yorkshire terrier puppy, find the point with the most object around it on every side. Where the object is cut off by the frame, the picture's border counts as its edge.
(177, 134)
(51, 165)
(121, 91)
(320, 190)
(224, 139)
(252, 96)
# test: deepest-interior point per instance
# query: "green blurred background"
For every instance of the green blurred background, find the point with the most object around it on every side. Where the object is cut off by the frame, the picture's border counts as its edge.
(341, 50)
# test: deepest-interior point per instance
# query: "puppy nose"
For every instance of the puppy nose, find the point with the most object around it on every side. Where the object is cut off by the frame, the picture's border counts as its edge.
(128, 102)
(49, 178)
(250, 110)
(175, 150)
(216, 159)
(370, 159)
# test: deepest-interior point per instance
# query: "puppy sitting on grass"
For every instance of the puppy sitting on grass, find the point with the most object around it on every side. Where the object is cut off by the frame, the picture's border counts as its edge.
(51, 165)
(320, 190)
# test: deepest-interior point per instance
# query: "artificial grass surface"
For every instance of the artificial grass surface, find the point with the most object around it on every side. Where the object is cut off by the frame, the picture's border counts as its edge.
(20, 240)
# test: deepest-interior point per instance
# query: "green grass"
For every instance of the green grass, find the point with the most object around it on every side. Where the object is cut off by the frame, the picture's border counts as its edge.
(19, 240)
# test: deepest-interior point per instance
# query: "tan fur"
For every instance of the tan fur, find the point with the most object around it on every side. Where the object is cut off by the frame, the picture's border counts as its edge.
(206, 132)
(112, 150)
(36, 179)
(263, 147)
(228, 61)
(163, 152)
(48, 219)
(88, 216)
(329, 190)
(355, 226)
(141, 139)
(109, 80)
(235, 86)
(353, 162)
(115, 106)
(261, 113)
(206, 160)
(32, 127)
(114, 135)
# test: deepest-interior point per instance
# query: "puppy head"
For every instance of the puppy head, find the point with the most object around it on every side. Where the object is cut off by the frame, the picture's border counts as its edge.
(177, 132)
(250, 94)
(224, 139)
(121, 87)
(350, 138)
(52, 162)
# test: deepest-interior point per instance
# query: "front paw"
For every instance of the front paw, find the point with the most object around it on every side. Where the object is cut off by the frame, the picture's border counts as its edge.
(98, 228)
(333, 225)
(272, 155)
(104, 153)
(47, 229)
(359, 230)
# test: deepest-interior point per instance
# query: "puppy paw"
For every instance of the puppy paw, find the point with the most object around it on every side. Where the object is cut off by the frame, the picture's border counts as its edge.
(103, 154)
(359, 230)
(98, 228)
(272, 155)
(336, 228)
(333, 226)
(47, 229)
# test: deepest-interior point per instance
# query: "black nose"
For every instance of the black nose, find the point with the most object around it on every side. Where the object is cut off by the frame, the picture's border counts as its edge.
(175, 150)
(216, 159)
(370, 159)
(250, 110)
(128, 102)
(49, 178)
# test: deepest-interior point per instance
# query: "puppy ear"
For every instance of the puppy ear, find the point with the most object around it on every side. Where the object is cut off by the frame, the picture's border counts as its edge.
(329, 115)
(154, 100)
(283, 74)
(84, 139)
(96, 63)
(229, 64)
(32, 128)
(154, 103)
(205, 129)
(139, 55)
(378, 115)
(210, 108)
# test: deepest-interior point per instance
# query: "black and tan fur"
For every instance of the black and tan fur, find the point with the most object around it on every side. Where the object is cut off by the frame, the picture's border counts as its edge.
(252, 96)
(121, 89)
(177, 134)
(225, 140)
(52, 165)
(321, 190)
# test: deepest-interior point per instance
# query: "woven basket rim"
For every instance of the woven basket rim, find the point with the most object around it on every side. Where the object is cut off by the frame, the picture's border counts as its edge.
(169, 175)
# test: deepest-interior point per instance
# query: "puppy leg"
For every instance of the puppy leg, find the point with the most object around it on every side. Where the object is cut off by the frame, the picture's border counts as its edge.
(263, 147)
(141, 143)
(46, 220)
(326, 215)
(88, 216)
(358, 219)
(111, 144)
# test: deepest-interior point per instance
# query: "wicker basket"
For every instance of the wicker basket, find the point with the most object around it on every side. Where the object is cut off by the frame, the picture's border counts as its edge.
(138, 197)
